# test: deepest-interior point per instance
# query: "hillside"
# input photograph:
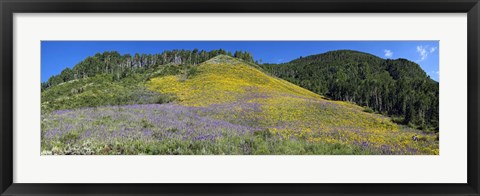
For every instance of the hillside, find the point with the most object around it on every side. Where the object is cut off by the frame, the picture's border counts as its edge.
(221, 106)
(224, 79)
(399, 88)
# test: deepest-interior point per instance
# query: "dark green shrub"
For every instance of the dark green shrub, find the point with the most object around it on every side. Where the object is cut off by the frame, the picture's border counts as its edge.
(146, 124)
(165, 98)
(264, 134)
(70, 137)
(192, 70)
(368, 110)
(172, 130)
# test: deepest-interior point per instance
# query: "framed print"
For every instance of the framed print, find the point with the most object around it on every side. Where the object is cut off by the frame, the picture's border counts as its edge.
(234, 97)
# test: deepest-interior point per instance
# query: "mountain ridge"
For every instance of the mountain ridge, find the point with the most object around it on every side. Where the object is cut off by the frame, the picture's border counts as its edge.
(394, 87)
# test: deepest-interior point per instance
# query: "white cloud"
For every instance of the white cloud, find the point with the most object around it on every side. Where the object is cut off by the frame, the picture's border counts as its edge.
(424, 51)
(388, 53)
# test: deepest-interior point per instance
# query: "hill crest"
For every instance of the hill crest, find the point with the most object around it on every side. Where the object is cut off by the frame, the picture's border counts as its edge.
(223, 79)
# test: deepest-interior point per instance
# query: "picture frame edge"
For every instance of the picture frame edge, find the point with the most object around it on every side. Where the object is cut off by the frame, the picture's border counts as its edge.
(8, 8)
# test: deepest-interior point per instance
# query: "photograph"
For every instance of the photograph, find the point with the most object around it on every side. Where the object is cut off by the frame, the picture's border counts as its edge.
(238, 97)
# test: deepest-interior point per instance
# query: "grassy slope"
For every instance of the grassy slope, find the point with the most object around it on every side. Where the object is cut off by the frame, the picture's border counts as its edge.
(224, 79)
(101, 90)
(284, 109)
(226, 107)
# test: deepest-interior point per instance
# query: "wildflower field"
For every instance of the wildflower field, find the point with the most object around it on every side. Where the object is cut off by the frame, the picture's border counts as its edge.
(225, 107)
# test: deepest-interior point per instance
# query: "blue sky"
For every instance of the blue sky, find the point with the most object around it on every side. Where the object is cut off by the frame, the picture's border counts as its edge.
(57, 55)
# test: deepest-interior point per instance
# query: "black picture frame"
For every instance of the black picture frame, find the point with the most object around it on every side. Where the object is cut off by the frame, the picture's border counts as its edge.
(9, 7)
